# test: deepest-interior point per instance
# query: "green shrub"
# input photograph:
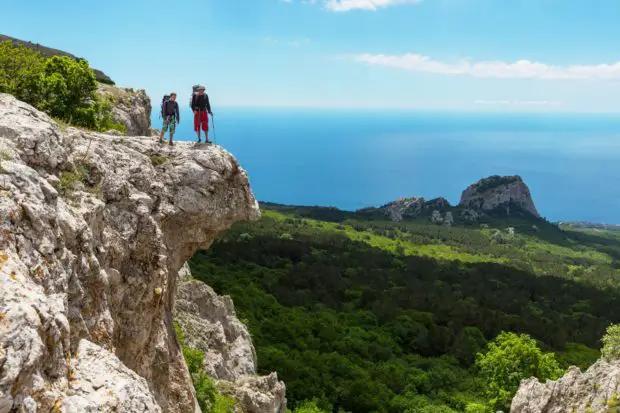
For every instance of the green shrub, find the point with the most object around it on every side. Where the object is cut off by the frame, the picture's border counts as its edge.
(62, 87)
(511, 358)
(223, 404)
(205, 390)
(71, 181)
(611, 343)
(309, 407)
(209, 399)
(158, 160)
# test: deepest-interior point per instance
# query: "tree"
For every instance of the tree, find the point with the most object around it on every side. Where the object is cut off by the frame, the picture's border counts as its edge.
(309, 407)
(509, 359)
(611, 343)
(62, 87)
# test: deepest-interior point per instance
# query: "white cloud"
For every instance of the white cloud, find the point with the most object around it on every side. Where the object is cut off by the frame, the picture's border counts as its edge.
(522, 69)
(347, 5)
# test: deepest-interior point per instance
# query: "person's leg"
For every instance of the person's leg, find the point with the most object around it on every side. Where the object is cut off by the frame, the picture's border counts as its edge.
(173, 127)
(164, 128)
(197, 124)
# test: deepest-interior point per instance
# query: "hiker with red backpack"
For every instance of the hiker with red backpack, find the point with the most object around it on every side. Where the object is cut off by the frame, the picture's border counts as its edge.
(201, 108)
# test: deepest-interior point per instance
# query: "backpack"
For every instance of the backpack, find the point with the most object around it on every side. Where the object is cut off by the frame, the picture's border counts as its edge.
(164, 101)
(194, 94)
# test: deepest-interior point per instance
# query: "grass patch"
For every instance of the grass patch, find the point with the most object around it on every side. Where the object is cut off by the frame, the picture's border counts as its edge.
(157, 160)
(74, 180)
(209, 398)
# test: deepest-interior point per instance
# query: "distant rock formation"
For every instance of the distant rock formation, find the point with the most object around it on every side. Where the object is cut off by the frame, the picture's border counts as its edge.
(209, 323)
(130, 107)
(403, 208)
(595, 391)
(49, 52)
(494, 192)
(410, 208)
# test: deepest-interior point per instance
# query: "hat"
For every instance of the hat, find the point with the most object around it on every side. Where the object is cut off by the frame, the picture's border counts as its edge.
(201, 87)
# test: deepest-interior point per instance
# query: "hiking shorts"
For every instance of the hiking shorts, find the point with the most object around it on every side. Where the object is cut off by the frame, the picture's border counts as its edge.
(201, 119)
(169, 123)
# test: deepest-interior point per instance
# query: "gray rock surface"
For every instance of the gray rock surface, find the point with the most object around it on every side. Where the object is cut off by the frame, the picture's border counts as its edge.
(404, 207)
(93, 232)
(130, 107)
(595, 391)
(499, 191)
(210, 324)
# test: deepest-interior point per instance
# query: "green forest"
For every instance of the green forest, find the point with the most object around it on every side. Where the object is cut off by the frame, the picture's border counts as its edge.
(357, 313)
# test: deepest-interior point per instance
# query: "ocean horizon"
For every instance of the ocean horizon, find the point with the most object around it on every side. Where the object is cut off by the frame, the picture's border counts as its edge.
(352, 159)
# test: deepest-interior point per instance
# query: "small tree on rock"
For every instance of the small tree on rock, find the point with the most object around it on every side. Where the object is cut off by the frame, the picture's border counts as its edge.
(509, 359)
(611, 343)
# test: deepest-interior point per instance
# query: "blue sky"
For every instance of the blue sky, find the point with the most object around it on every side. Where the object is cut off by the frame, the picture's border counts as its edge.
(534, 55)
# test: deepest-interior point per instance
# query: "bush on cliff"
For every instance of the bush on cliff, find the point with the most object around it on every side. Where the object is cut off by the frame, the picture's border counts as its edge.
(511, 358)
(60, 86)
(611, 343)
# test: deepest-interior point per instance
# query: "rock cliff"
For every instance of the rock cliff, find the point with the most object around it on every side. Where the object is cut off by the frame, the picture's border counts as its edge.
(494, 192)
(93, 232)
(130, 107)
(209, 323)
(595, 391)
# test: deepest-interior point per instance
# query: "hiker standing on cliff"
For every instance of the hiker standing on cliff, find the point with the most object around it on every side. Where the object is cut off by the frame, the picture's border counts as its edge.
(170, 114)
(201, 108)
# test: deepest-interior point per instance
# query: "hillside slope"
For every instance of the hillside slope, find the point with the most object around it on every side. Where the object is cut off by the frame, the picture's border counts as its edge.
(49, 52)
(348, 303)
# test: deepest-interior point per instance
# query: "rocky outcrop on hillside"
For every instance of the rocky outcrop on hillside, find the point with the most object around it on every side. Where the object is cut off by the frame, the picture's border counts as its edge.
(130, 107)
(410, 208)
(93, 232)
(595, 391)
(494, 192)
(210, 324)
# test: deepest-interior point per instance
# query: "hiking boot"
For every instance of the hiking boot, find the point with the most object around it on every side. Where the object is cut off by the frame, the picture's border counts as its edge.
(170, 143)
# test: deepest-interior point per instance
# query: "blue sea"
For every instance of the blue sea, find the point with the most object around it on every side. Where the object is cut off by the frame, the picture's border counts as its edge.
(355, 159)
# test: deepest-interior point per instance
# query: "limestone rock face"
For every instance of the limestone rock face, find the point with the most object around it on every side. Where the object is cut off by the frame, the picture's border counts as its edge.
(595, 391)
(209, 323)
(499, 191)
(93, 231)
(405, 207)
(130, 107)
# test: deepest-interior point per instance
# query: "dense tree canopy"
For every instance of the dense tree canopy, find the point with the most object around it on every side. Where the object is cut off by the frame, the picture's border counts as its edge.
(364, 315)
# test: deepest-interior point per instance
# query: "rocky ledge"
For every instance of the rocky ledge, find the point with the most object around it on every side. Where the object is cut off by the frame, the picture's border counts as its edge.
(93, 232)
(595, 391)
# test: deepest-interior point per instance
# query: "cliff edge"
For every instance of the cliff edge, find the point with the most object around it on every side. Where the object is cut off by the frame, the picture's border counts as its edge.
(93, 232)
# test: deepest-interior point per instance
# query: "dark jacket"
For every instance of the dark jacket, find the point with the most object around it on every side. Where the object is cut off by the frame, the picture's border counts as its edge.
(171, 108)
(201, 103)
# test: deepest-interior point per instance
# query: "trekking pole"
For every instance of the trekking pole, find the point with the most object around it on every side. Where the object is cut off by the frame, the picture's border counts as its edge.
(214, 137)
